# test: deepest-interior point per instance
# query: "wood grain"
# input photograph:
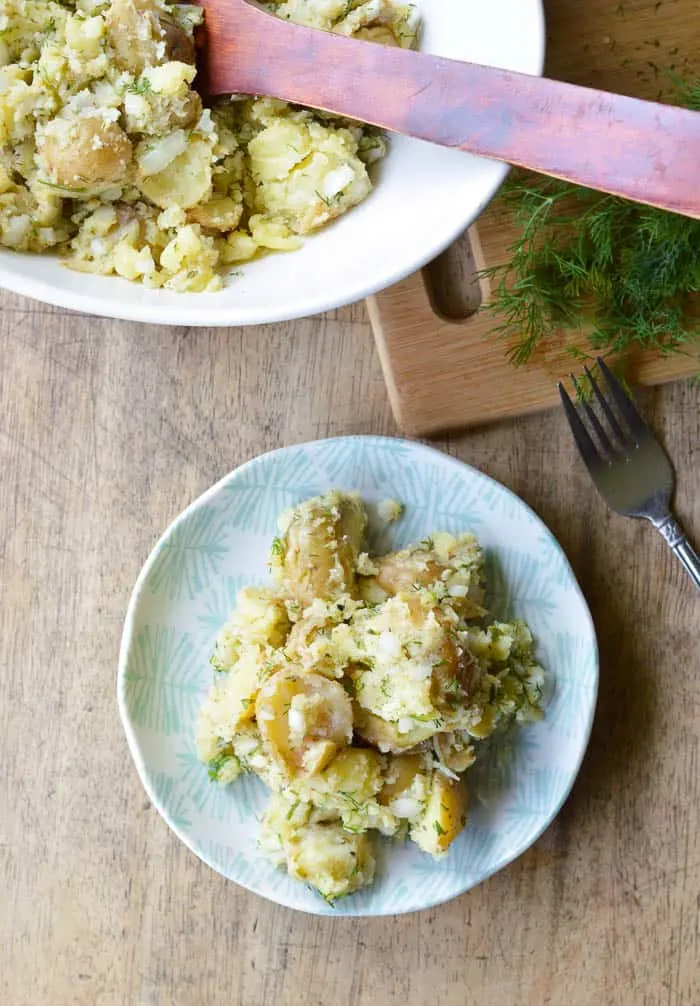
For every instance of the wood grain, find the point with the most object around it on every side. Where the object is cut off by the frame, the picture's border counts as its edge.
(108, 430)
(443, 372)
(627, 146)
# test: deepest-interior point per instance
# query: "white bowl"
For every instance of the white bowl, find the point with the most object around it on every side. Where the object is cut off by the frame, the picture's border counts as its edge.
(425, 197)
(185, 593)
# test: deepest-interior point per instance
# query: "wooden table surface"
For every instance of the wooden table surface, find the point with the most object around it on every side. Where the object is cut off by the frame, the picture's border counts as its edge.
(108, 430)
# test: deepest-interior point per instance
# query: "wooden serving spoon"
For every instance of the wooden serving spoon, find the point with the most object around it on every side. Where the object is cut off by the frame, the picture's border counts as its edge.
(645, 151)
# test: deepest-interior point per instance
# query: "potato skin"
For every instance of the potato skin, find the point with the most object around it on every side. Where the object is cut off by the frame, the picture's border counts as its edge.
(444, 816)
(325, 714)
(179, 47)
(385, 735)
(320, 547)
(333, 860)
(397, 572)
(88, 151)
(136, 28)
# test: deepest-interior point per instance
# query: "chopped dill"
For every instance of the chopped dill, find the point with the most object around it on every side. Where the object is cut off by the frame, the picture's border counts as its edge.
(350, 799)
(621, 273)
(140, 86)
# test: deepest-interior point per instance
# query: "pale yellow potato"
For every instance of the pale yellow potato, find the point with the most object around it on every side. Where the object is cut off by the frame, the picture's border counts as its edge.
(248, 747)
(386, 735)
(220, 214)
(304, 719)
(400, 775)
(259, 618)
(443, 818)
(412, 669)
(315, 641)
(186, 181)
(454, 750)
(83, 152)
(448, 566)
(230, 703)
(353, 771)
(398, 572)
(334, 861)
(407, 782)
(348, 790)
(143, 35)
(317, 553)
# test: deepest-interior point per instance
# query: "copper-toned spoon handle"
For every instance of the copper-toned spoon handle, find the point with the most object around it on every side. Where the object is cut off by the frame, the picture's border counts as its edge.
(639, 149)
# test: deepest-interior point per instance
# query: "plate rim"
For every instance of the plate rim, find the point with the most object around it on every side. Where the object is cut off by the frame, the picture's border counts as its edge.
(128, 636)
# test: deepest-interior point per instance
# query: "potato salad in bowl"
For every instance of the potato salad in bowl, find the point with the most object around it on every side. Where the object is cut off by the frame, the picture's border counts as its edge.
(358, 688)
(125, 194)
(109, 157)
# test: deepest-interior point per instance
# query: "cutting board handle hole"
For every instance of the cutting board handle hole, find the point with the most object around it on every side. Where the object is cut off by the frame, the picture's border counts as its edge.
(454, 288)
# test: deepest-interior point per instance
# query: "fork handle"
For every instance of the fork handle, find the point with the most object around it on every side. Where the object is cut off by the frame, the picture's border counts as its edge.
(676, 539)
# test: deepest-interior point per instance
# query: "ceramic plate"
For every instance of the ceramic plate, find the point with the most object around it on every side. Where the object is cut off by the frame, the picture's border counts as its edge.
(188, 587)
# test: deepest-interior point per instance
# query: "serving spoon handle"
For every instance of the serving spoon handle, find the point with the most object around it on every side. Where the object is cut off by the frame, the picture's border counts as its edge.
(645, 151)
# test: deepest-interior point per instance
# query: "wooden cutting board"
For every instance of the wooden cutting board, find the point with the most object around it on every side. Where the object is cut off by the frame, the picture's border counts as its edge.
(444, 371)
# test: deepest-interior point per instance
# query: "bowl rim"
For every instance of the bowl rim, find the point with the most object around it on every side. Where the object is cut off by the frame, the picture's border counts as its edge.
(124, 308)
(128, 636)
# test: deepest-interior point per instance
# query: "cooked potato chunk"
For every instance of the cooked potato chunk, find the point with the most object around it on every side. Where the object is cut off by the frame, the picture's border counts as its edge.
(78, 152)
(221, 214)
(397, 572)
(348, 790)
(142, 35)
(315, 641)
(186, 180)
(449, 567)
(412, 669)
(304, 719)
(406, 786)
(454, 750)
(443, 818)
(335, 862)
(357, 771)
(317, 554)
(386, 735)
(259, 617)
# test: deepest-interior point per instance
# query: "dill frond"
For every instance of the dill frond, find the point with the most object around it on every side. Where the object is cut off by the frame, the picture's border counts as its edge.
(625, 272)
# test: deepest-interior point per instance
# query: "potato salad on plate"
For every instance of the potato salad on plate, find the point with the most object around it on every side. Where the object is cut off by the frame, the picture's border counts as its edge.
(358, 688)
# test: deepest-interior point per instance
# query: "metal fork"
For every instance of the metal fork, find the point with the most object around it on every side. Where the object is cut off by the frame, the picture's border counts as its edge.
(628, 465)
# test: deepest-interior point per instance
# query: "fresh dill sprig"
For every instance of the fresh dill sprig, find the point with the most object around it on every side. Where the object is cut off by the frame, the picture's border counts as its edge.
(623, 274)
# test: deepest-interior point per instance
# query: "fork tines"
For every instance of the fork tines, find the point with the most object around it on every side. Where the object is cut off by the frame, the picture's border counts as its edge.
(621, 436)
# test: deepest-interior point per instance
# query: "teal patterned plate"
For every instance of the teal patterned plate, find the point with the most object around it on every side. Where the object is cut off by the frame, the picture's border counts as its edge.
(186, 591)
